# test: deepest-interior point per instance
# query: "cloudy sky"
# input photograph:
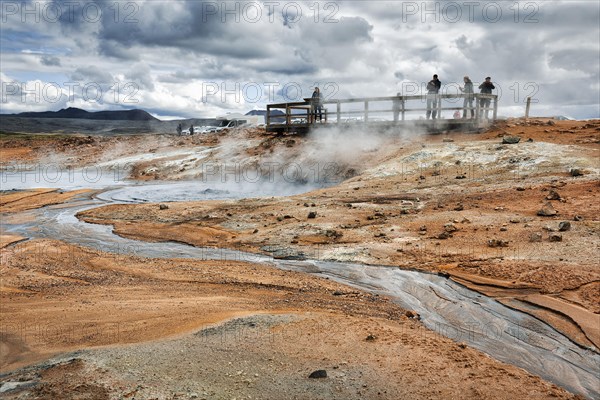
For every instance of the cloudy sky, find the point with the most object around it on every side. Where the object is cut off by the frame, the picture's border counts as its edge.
(206, 58)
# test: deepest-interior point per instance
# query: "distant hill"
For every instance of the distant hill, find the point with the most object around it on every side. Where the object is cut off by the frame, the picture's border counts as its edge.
(77, 113)
(264, 112)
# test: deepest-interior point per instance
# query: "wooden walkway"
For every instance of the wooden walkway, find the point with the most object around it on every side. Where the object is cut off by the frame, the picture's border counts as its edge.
(384, 113)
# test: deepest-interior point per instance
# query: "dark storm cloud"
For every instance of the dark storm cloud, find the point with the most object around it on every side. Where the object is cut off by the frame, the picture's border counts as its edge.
(186, 25)
(575, 60)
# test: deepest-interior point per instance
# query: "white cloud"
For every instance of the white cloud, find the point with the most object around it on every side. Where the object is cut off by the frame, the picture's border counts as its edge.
(171, 50)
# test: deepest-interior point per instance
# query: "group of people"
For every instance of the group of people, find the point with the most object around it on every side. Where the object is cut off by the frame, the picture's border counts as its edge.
(180, 130)
(433, 89)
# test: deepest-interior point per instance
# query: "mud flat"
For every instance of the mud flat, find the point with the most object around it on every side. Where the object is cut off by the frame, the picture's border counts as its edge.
(462, 206)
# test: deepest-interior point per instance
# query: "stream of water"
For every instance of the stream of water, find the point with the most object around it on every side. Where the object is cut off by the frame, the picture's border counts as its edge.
(444, 306)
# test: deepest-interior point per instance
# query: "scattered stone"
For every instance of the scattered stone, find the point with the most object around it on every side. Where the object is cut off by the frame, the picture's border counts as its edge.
(255, 231)
(547, 211)
(412, 315)
(318, 374)
(553, 195)
(163, 207)
(290, 143)
(576, 172)
(551, 123)
(447, 140)
(459, 207)
(520, 189)
(555, 237)
(423, 228)
(370, 338)
(535, 237)
(312, 214)
(515, 220)
(549, 228)
(497, 243)
(578, 218)
(564, 226)
(530, 140)
(503, 229)
(511, 140)
(450, 228)
(306, 205)
(461, 177)
(443, 235)
(462, 345)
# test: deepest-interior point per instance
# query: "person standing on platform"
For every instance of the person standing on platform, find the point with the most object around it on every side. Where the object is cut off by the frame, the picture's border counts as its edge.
(468, 103)
(486, 88)
(433, 88)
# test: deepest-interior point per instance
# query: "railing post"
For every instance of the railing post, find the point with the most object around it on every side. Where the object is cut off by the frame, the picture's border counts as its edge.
(402, 103)
(268, 116)
(495, 107)
(527, 107)
(477, 110)
(288, 116)
(339, 112)
(366, 111)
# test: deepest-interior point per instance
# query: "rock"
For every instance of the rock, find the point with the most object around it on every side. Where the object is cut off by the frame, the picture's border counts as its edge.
(555, 237)
(515, 220)
(370, 338)
(551, 123)
(459, 207)
(564, 226)
(423, 228)
(447, 140)
(413, 315)
(553, 195)
(576, 172)
(163, 207)
(460, 176)
(450, 228)
(578, 218)
(535, 237)
(497, 243)
(443, 235)
(318, 374)
(511, 140)
(337, 293)
(312, 214)
(290, 143)
(530, 140)
(520, 189)
(547, 211)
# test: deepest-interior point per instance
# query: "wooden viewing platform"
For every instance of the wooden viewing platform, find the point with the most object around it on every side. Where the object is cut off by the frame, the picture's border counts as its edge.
(383, 113)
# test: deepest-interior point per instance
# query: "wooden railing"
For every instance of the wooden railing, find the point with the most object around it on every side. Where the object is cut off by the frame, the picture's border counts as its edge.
(392, 109)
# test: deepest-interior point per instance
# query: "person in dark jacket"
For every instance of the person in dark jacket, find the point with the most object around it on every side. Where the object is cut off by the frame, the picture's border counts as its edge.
(317, 105)
(468, 103)
(486, 88)
(433, 88)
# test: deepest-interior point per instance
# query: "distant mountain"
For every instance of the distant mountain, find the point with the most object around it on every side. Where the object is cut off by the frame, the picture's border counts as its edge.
(264, 112)
(77, 113)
